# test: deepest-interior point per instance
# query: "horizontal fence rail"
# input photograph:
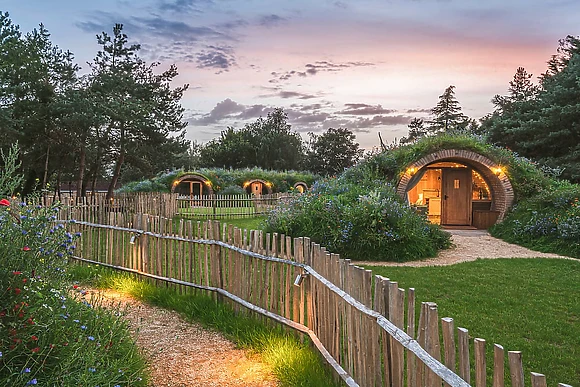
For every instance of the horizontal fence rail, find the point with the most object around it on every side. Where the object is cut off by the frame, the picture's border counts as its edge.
(364, 325)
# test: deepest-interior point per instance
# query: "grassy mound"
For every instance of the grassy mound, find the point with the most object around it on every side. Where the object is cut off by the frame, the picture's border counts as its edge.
(224, 181)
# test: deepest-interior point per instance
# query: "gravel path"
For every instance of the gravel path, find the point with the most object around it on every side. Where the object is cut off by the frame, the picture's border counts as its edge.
(470, 245)
(184, 354)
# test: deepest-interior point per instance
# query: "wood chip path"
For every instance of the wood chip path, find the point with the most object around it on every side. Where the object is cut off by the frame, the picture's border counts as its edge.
(184, 354)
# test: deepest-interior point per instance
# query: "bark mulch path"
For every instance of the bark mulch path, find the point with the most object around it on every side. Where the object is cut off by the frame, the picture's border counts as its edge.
(183, 354)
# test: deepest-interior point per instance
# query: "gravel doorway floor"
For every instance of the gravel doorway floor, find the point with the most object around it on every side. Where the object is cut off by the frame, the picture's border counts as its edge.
(184, 354)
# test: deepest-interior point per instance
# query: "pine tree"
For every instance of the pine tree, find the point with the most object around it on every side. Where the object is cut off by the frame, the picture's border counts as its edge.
(447, 113)
(416, 130)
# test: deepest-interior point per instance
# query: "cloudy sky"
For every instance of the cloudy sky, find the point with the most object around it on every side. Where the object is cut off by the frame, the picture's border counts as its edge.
(367, 65)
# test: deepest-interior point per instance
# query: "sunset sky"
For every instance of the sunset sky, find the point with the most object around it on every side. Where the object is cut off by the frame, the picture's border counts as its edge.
(367, 65)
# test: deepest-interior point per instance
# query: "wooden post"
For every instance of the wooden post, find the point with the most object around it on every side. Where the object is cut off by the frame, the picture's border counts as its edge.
(464, 368)
(433, 342)
(516, 368)
(538, 380)
(498, 366)
(448, 343)
(411, 359)
(480, 362)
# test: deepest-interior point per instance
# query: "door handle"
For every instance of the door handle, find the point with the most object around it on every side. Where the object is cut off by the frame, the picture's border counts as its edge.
(445, 197)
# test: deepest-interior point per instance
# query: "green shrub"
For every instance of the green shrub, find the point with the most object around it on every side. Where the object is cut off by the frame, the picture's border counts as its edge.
(548, 221)
(359, 221)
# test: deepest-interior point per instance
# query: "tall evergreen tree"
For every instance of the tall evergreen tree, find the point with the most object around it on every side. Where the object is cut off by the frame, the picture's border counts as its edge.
(140, 108)
(544, 124)
(416, 131)
(447, 115)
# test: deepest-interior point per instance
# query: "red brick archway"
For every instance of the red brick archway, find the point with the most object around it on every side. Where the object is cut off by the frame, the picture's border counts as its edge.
(502, 191)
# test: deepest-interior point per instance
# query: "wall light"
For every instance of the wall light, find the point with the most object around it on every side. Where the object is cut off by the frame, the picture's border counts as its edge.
(497, 171)
(134, 238)
(299, 279)
(411, 171)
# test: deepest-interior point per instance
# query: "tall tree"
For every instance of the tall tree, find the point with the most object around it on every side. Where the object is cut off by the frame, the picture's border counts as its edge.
(233, 149)
(447, 115)
(416, 130)
(521, 89)
(139, 106)
(33, 73)
(276, 146)
(332, 151)
(545, 125)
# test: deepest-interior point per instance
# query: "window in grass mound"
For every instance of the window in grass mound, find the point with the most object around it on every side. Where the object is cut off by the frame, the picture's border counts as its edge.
(258, 187)
(192, 185)
(457, 188)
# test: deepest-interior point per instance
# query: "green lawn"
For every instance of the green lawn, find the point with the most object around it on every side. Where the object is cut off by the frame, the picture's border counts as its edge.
(530, 305)
(250, 223)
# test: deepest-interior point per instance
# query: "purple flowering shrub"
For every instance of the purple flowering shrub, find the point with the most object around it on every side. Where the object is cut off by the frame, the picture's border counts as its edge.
(549, 221)
(359, 221)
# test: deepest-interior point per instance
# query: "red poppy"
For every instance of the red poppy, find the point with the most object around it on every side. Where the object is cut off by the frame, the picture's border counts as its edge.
(33, 338)
(17, 291)
(26, 248)
(34, 350)
(5, 203)
(75, 286)
(29, 321)
(16, 272)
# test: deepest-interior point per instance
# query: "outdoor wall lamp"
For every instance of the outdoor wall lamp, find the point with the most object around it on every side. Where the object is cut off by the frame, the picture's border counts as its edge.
(497, 171)
(299, 279)
(134, 238)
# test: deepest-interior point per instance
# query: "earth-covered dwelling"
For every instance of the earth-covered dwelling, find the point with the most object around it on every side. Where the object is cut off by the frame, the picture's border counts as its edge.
(456, 187)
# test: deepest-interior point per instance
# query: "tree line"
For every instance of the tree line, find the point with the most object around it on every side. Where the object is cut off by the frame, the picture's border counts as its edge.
(122, 120)
(539, 121)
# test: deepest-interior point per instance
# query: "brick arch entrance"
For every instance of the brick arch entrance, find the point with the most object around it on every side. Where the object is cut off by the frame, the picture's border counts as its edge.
(192, 184)
(502, 196)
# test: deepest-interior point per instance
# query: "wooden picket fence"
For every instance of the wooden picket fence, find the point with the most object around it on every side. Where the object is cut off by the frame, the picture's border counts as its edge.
(96, 208)
(228, 206)
(369, 337)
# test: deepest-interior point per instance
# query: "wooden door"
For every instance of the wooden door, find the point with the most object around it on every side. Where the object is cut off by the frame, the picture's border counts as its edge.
(257, 188)
(456, 190)
(196, 188)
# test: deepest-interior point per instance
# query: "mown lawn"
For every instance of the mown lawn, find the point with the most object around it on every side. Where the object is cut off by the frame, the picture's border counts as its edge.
(530, 305)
